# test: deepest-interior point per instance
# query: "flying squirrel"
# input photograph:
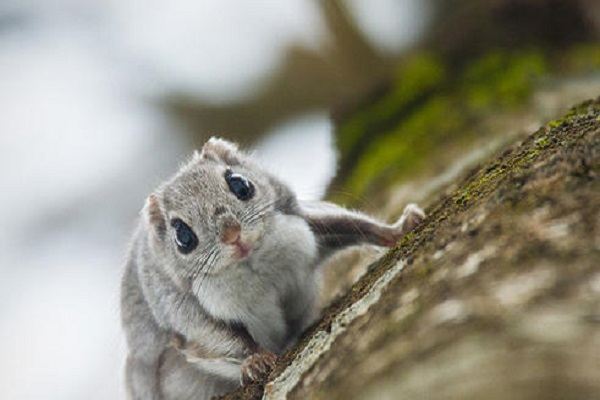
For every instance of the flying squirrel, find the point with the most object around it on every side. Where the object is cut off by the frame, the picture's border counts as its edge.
(222, 274)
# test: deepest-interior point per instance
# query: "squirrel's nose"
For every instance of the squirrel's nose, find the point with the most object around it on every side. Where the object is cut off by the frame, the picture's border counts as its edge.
(231, 232)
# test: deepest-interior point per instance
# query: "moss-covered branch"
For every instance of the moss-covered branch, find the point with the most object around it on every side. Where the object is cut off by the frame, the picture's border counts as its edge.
(433, 108)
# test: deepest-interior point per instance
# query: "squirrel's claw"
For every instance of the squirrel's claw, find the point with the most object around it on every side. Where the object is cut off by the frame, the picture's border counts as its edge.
(257, 367)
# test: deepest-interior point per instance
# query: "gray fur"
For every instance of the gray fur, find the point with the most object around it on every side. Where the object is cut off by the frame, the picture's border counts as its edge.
(192, 320)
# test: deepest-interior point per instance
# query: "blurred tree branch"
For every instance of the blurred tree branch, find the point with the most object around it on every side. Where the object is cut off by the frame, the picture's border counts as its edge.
(347, 67)
(308, 80)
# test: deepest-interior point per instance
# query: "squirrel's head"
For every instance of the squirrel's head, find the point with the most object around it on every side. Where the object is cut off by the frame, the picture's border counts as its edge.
(214, 213)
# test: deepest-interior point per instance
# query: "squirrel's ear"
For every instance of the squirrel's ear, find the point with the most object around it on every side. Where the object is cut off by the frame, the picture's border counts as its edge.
(197, 156)
(154, 215)
(221, 150)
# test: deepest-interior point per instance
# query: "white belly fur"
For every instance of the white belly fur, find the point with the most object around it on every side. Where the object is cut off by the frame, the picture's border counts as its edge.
(252, 292)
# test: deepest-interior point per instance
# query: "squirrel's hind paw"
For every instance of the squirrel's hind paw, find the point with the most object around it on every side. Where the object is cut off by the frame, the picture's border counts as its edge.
(257, 367)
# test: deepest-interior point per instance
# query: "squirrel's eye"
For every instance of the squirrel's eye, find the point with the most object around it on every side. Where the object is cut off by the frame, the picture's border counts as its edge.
(185, 238)
(241, 187)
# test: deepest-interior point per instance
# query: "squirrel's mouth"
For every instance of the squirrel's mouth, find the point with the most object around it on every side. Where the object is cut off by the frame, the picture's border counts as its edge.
(242, 250)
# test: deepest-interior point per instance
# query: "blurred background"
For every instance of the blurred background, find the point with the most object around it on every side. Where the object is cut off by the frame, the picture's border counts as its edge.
(101, 100)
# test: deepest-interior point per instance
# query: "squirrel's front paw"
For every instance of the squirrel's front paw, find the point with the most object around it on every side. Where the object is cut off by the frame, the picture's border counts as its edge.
(412, 216)
(257, 366)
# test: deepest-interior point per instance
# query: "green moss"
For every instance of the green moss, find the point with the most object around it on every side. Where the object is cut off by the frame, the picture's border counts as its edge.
(502, 79)
(568, 118)
(419, 74)
(486, 180)
(542, 142)
(431, 109)
(406, 239)
(406, 147)
(479, 184)
(555, 124)
(497, 81)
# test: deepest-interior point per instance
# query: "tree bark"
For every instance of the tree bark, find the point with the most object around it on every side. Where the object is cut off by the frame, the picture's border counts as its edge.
(495, 296)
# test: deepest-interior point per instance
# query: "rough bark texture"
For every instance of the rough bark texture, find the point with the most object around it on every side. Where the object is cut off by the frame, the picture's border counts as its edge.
(495, 296)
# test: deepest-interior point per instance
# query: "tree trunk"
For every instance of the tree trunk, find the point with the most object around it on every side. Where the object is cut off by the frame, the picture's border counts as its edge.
(495, 296)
